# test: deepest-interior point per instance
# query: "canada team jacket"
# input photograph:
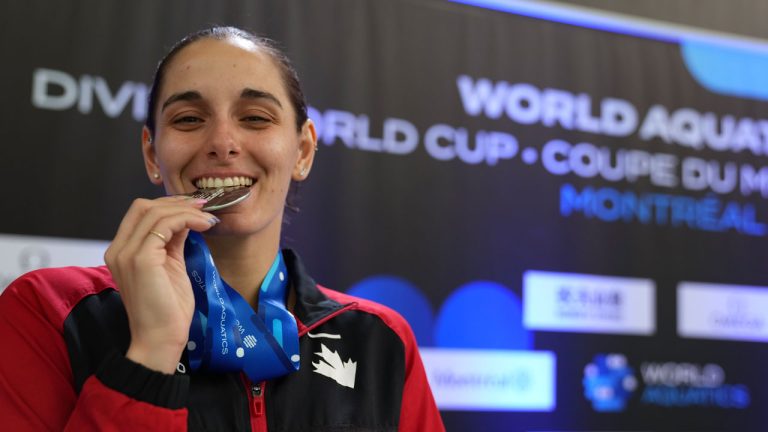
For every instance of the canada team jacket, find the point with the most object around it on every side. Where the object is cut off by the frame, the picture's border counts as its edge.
(64, 333)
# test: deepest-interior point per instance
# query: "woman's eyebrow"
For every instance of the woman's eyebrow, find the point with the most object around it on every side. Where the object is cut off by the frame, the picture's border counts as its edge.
(249, 93)
(189, 95)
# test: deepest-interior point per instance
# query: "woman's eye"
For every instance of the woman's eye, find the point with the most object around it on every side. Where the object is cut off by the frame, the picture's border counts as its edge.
(255, 119)
(188, 120)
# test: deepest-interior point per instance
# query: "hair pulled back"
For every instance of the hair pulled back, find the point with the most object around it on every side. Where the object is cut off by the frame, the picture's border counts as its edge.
(287, 71)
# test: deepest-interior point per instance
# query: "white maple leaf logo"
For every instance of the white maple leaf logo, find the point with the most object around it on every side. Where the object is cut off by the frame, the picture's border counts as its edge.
(330, 365)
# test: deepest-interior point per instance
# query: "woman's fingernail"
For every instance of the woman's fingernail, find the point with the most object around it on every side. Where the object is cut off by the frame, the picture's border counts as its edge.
(213, 220)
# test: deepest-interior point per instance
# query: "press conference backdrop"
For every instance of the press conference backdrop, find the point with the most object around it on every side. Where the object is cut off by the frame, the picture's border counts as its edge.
(569, 210)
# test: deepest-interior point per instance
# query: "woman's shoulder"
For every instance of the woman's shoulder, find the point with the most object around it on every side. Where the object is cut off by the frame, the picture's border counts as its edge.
(53, 292)
(387, 315)
(61, 280)
(359, 303)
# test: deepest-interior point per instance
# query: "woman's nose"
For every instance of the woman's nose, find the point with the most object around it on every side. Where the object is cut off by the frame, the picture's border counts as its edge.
(222, 143)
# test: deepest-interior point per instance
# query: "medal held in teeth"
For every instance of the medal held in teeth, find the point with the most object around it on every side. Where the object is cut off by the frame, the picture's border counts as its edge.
(221, 197)
(220, 193)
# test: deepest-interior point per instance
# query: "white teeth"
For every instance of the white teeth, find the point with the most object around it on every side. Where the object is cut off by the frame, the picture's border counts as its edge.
(211, 182)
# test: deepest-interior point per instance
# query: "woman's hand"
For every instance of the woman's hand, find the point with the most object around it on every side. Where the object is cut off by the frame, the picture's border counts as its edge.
(146, 259)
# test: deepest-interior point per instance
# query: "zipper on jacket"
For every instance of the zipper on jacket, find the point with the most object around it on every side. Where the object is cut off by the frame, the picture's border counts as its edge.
(257, 400)
(256, 405)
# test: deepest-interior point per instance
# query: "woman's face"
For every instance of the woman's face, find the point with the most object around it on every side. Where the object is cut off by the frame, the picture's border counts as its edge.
(223, 113)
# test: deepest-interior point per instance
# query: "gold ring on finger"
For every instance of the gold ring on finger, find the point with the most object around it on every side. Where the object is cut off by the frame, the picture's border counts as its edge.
(160, 236)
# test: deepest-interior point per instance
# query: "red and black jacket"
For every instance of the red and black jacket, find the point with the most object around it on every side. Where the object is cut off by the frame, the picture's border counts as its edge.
(64, 333)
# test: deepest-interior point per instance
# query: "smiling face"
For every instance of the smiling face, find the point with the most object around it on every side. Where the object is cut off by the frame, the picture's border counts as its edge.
(223, 115)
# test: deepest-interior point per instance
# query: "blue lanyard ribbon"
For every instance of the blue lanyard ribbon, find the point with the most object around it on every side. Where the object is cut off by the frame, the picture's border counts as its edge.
(226, 335)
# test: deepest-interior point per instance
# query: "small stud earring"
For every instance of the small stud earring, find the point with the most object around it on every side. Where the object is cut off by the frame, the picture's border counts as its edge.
(156, 176)
(303, 172)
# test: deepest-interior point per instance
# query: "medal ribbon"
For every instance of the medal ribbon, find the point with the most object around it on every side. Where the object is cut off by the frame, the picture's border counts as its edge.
(226, 334)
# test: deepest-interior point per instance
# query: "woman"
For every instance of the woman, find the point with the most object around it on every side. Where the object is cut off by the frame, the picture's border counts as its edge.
(110, 348)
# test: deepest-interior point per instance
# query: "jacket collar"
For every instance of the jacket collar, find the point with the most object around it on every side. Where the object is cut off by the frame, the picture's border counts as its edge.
(311, 304)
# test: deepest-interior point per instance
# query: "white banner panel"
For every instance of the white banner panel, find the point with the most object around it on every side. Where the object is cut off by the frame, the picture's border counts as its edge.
(20, 254)
(715, 311)
(588, 303)
(491, 380)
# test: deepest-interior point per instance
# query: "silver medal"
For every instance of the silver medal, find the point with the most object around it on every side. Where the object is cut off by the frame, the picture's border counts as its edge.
(221, 197)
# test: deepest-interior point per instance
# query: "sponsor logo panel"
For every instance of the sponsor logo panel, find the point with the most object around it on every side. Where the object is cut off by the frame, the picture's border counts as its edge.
(20, 254)
(612, 384)
(491, 380)
(588, 303)
(714, 311)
